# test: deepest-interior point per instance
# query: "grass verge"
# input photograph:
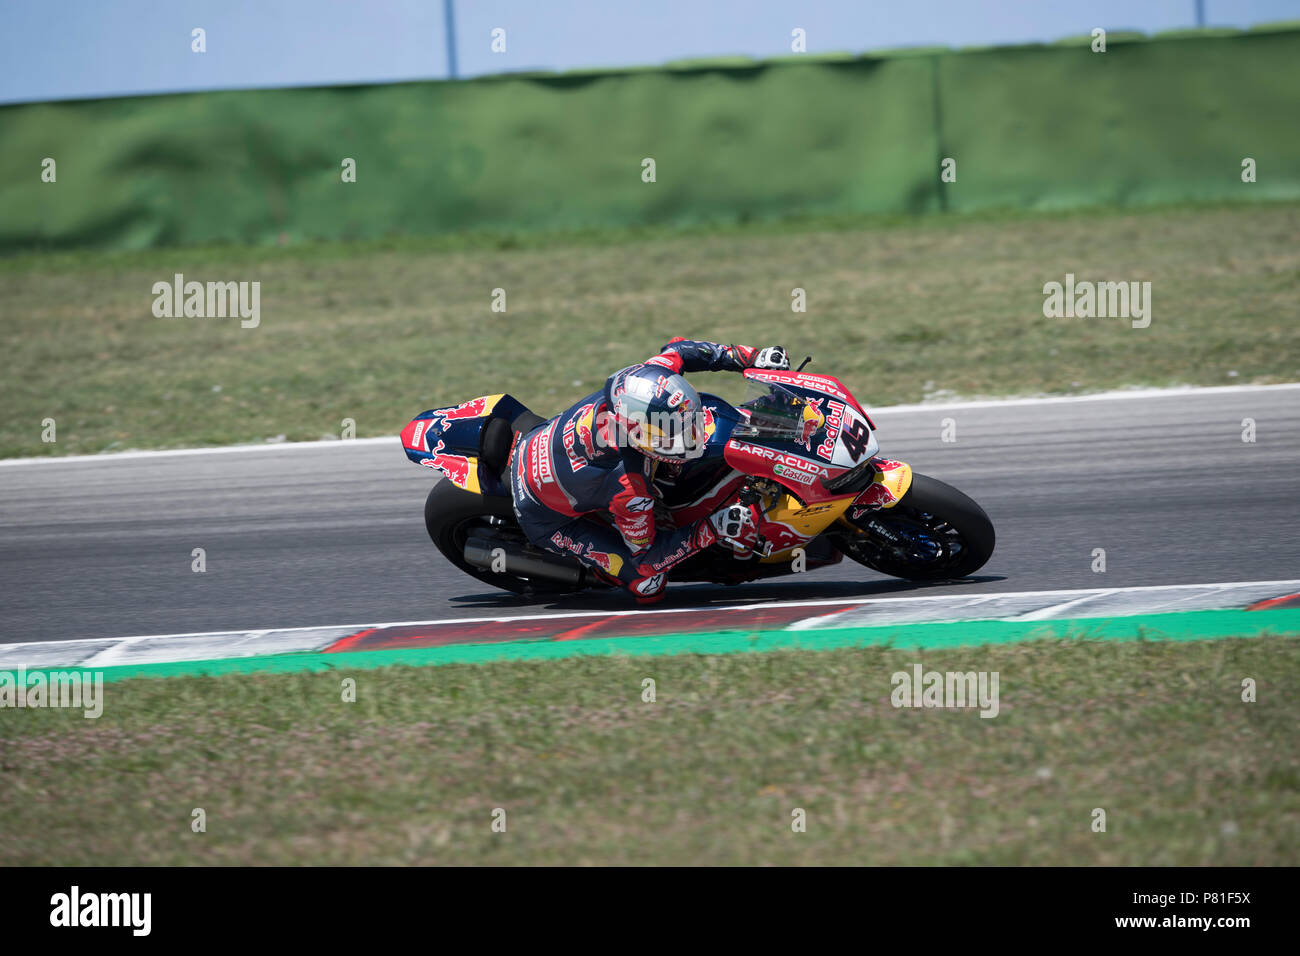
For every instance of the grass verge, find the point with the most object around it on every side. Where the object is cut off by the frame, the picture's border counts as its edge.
(1154, 733)
(376, 332)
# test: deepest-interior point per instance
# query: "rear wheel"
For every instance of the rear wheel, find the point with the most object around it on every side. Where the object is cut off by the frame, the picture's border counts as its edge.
(452, 515)
(934, 533)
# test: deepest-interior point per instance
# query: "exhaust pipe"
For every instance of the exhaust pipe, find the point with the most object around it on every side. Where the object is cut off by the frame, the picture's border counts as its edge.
(529, 563)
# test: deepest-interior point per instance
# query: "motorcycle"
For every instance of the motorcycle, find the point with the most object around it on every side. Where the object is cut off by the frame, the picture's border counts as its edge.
(799, 445)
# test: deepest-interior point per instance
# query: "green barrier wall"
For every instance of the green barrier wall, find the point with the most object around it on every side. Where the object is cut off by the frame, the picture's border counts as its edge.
(1150, 120)
(1146, 122)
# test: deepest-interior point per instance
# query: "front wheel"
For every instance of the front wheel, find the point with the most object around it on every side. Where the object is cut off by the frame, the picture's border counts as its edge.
(934, 533)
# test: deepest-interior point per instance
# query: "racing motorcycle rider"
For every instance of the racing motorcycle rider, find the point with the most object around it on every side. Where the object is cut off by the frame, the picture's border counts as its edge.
(599, 457)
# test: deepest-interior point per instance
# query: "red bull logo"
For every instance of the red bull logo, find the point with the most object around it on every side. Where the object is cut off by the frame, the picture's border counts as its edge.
(609, 563)
(474, 408)
(813, 420)
(579, 427)
(710, 425)
(457, 468)
(873, 498)
(893, 478)
(834, 421)
(781, 536)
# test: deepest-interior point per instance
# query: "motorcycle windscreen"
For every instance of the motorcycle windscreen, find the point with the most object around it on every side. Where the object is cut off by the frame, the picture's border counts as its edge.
(771, 411)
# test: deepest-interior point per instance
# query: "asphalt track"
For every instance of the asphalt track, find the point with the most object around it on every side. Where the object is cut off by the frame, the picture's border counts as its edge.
(322, 535)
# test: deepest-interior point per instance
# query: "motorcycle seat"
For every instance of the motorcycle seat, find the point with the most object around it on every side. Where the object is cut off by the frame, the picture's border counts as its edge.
(499, 435)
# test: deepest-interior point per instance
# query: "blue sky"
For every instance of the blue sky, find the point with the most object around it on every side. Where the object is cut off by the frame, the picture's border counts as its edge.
(63, 49)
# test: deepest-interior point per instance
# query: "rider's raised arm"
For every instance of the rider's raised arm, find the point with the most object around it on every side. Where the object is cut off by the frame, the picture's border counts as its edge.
(683, 355)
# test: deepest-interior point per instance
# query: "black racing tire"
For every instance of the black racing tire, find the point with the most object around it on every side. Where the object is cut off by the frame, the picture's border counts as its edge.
(450, 513)
(944, 514)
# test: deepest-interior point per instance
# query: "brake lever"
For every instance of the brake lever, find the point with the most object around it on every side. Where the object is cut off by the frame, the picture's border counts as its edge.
(749, 495)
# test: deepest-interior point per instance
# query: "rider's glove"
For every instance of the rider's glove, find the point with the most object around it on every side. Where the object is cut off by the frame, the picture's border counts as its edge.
(772, 358)
(737, 524)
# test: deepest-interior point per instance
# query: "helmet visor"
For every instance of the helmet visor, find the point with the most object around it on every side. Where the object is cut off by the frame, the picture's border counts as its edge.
(675, 436)
(668, 428)
(660, 415)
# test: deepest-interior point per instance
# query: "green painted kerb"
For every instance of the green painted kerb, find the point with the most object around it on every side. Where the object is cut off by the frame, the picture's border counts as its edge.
(1185, 626)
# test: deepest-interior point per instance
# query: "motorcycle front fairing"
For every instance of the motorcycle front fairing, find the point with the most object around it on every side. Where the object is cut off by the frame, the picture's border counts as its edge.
(803, 432)
(807, 434)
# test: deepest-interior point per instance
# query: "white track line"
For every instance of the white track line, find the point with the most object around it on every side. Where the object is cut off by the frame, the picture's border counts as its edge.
(110, 456)
(451, 620)
(1182, 391)
(1067, 596)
